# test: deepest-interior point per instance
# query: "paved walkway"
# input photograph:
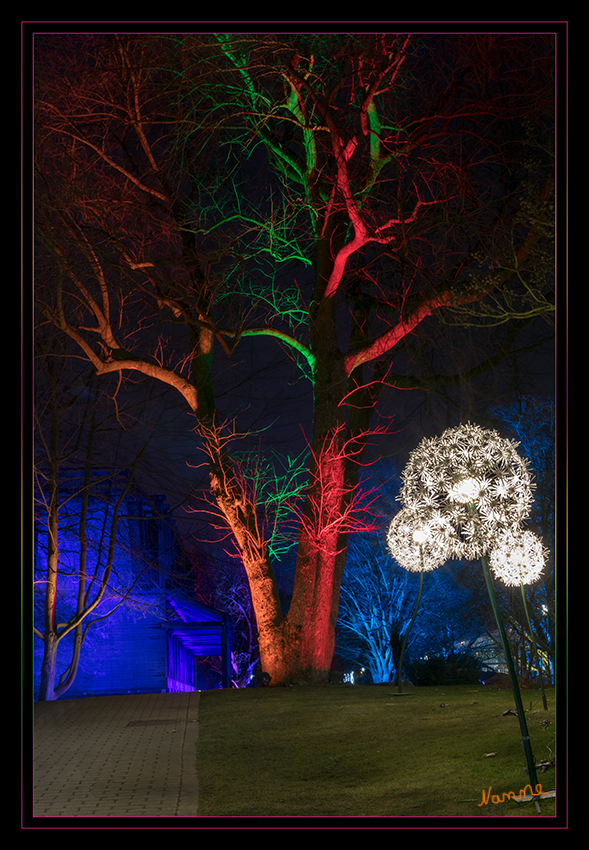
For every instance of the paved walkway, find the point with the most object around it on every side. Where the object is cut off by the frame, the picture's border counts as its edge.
(113, 756)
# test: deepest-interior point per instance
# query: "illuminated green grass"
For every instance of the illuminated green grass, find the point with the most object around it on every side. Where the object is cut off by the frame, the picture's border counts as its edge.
(337, 751)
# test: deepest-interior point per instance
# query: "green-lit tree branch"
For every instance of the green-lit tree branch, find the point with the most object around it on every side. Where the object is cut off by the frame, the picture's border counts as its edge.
(280, 335)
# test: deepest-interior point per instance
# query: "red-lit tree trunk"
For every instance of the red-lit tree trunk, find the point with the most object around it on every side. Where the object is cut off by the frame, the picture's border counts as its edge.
(313, 611)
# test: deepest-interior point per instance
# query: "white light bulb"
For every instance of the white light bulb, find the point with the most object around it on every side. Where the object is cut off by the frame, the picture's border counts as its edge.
(466, 490)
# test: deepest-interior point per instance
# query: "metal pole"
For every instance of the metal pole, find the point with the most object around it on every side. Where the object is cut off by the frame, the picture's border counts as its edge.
(404, 644)
(525, 739)
(534, 647)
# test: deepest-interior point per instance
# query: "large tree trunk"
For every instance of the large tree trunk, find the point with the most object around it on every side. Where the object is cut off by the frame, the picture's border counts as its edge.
(311, 625)
(240, 515)
(313, 612)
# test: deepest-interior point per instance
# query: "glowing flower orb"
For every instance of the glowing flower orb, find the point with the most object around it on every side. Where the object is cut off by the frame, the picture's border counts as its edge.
(409, 538)
(474, 478)
(517, 557)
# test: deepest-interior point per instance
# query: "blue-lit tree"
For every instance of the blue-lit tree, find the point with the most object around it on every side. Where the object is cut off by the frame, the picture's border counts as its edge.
(375, 607)
(448, 643)
(377, 603)
(382, 583)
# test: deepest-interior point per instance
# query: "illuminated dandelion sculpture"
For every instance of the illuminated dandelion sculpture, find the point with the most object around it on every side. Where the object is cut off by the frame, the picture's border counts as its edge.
(435, 539)
(518, 558)
(418, 547)
(477, 481)
(469, 465)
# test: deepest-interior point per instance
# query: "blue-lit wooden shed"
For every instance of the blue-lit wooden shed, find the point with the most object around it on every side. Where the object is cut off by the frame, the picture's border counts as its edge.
(179, 646)
(160, 640)
(195, 632)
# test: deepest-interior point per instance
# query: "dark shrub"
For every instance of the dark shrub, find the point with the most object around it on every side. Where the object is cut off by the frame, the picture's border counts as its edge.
(437, 670)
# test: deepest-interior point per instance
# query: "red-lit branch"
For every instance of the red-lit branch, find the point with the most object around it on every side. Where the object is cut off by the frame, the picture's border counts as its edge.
(332, 507)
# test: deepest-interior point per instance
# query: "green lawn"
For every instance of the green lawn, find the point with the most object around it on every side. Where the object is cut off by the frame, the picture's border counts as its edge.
(339, 751)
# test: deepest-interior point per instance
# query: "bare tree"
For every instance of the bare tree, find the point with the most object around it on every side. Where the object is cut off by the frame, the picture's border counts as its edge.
(334, 195)
(376, 604)
(87, 561)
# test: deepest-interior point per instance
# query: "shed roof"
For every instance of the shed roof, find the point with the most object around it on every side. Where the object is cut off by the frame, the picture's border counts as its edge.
(190, 611)
(200, 630)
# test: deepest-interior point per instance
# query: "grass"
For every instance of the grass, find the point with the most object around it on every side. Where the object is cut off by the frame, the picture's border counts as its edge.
(340, 751)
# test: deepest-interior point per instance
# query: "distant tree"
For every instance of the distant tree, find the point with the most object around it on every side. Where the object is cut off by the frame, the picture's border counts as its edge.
(376, 604)
(200, 197)
(451, 625)
(378, 598)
